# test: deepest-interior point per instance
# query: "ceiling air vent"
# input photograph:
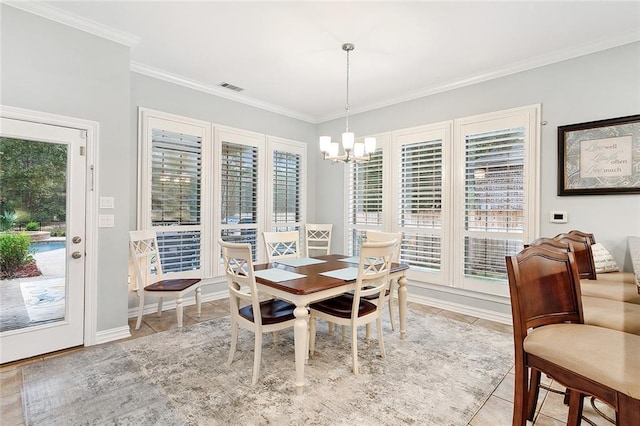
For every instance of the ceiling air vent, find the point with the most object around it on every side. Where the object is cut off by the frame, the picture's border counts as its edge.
(231, 87)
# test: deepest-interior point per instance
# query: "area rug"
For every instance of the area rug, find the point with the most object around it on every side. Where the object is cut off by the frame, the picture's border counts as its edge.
(44, 299)
(441, 374)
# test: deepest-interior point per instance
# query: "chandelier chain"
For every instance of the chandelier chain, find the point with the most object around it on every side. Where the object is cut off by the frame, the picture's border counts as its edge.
(346, 107)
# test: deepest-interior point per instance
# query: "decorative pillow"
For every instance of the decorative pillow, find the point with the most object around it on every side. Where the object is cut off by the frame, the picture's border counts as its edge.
(603, 259)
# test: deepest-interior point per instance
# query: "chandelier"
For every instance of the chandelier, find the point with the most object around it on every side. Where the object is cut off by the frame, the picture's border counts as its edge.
(353, 152)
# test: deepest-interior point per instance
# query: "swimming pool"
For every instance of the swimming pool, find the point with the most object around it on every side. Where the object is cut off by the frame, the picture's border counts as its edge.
(42, 246)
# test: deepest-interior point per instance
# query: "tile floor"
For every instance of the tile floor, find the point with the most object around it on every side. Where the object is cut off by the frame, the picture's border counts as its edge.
(496, 411)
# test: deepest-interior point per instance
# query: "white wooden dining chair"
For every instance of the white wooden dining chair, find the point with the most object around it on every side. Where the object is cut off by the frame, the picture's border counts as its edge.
(145, 256)
(247, 309)
(282, 245)
(377, 236)
(353, 311)
(317, 238)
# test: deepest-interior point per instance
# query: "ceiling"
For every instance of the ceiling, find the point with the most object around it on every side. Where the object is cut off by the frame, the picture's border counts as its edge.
(287, 56)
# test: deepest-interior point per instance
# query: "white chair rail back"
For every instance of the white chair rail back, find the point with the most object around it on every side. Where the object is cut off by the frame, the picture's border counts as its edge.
(318, 238)
(282, 245)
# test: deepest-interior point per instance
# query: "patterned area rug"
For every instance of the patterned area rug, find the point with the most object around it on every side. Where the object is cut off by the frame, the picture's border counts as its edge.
(441, 374)
(44, 299)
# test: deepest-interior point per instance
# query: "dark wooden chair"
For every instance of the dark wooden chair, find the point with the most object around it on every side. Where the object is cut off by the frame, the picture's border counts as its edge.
(581, 247)
(550, 337)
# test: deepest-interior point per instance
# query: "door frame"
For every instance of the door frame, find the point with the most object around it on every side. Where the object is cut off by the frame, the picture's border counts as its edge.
(91, 244)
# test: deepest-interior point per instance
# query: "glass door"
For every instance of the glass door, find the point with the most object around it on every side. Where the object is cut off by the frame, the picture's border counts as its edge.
(42, 234)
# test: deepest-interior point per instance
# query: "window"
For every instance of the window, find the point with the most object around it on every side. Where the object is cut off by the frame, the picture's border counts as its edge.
(463, 193)
(240, 172)
(365, 196)
(498, 163)
(199, 182)
(286, 168)
(172, 190)
(422, 202)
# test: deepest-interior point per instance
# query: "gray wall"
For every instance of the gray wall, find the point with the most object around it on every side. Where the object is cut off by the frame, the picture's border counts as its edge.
(54, 68)
(593, 87)
(149, 92)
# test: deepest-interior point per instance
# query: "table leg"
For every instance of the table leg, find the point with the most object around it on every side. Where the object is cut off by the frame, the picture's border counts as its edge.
(300, 338)
(402, 305)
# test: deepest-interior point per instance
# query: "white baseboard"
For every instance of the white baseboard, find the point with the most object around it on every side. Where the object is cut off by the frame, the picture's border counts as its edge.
(112, 334)
(170, 303)
(462, 309)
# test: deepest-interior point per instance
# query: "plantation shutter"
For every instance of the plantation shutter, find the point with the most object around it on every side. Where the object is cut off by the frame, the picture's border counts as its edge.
(494, 216)
(286, 189)
(239, 186)
(365, 204)
(420, 207)
(176, 197)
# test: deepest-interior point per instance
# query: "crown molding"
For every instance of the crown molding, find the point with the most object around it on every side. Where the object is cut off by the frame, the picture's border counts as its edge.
(540, 61)
(217, 91)
(53, 13)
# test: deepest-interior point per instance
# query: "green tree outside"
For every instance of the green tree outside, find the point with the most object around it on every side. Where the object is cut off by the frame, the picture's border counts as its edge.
(33, 178)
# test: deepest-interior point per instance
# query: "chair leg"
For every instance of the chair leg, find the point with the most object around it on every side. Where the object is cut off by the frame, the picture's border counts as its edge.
(354, 348)
(256, 358)
(198, 301)
(380, 339)
(576, 401)
(312, 335)
(534, 391)
(234, 340)
(391, 288)
(331, 327)
(140, 312)
(276, 338)
(367, 328)
(520, 396)
(393, 326)
(628, 410)
(344, 333)
(179, 310)
(159, 306)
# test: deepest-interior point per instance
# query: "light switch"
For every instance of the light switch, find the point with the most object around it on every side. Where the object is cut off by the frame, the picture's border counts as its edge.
(106, 221)
(106, 202)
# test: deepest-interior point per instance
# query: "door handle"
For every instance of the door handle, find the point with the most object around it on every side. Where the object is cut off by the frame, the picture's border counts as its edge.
(76, 255)
(76, 240)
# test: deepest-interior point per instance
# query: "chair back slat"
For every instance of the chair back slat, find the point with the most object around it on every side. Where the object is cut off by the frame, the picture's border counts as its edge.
(282, 245)
(549, 243)
(145, 256)
(377, 236)
(318, 238)
(544, 288)
(373, 270)
(581, 247)
(241, 282)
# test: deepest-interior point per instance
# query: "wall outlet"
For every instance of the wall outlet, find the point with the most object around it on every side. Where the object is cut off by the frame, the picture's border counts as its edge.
(106, 221)
(106, 202)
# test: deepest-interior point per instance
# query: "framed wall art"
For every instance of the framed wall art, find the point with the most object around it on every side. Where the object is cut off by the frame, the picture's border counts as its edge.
(599, 157)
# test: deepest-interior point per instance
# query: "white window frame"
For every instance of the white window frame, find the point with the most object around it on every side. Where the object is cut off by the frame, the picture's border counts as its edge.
(294, 147)
(437, 131)
(383, 144)
(148, 120)
(213, 135)
(240, 137)
(529, 118)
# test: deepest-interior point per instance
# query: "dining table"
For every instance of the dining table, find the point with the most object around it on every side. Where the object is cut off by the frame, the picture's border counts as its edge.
(303, 281)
